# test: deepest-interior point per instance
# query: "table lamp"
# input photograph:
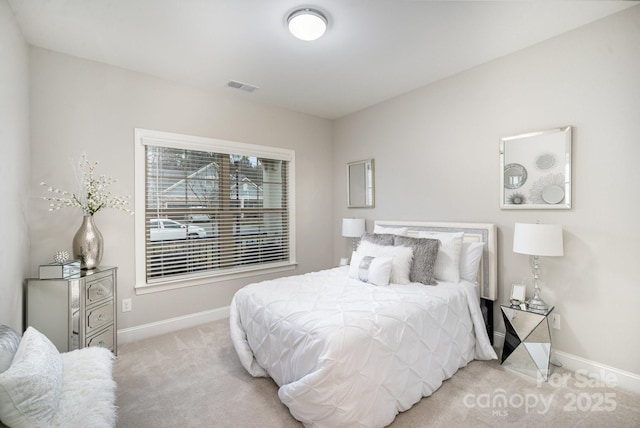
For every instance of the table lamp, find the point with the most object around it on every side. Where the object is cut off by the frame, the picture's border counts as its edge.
(353, 228)
(537, 240)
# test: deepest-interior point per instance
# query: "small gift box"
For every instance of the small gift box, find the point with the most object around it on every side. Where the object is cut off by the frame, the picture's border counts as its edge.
(60, 270)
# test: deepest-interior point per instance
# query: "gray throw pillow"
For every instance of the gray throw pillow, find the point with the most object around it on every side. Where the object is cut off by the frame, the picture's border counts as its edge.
(425, 253)
(378, 238)
(9, 341)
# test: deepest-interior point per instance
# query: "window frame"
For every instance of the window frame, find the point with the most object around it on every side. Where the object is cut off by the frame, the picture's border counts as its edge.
(144, 137)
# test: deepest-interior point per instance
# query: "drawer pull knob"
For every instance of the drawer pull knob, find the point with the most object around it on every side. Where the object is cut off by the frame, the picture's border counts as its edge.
(101, 343)
(101, 317)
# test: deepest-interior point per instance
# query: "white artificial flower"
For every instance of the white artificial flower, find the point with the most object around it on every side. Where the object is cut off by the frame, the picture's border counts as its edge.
(92, 196)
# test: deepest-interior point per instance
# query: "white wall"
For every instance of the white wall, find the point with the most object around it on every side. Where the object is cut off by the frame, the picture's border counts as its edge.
(14, 174)
(82, 106)
(436, 158)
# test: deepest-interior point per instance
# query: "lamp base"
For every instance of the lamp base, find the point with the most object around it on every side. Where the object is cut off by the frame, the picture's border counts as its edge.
(537, 303)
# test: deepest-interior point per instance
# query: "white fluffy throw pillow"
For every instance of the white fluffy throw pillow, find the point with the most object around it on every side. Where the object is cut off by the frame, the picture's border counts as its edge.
(9, 342)
(402, 258)
(30, 388)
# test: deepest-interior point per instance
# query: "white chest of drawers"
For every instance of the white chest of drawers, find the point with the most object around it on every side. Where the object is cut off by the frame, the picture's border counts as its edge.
(75, 312)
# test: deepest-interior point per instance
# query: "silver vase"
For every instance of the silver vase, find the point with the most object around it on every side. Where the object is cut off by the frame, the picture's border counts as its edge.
(88, 244)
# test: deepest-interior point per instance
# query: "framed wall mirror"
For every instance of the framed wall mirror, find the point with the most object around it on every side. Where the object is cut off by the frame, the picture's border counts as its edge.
(360, 184)
(535, 170)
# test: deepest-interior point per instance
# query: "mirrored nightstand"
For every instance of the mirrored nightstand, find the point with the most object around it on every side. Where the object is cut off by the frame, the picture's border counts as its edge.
(527, 342)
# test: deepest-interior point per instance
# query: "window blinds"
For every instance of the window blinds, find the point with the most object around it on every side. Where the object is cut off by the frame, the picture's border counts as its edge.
(213, 211)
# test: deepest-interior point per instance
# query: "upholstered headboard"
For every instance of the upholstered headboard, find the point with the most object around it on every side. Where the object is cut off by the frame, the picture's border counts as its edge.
(473, 232)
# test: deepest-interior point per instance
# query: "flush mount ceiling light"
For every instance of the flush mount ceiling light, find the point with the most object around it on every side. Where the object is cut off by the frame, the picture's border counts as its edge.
(307, 24)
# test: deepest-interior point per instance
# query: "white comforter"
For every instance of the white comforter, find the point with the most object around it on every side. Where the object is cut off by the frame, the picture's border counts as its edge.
(349, 354)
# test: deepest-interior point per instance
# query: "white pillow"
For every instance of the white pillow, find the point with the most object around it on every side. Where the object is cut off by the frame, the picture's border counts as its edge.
(374, 270)
(30, 389)
(402, 258)
(400, 231)
(470, 260)
(9, 342)
(447, 266)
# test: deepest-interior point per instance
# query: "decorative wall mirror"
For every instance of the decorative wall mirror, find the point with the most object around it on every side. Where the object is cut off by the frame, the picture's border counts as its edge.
(535, 170)
(360, 186)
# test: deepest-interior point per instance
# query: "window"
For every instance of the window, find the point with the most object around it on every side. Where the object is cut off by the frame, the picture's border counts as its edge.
(207, 209)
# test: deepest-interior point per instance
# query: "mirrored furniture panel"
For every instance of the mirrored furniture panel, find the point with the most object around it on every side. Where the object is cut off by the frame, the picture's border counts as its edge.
(360, 184)
(527, 342)
(77, 311)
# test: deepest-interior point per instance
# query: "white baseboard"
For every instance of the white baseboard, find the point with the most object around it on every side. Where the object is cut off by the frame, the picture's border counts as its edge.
(144, 331)
(589, 369)
(620, 378)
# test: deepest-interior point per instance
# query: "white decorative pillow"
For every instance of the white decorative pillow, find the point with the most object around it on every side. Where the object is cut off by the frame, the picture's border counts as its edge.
(30, 389)
(448, 262)
(400, 231)
(402, 258)
(374, 270)
(9, 342)
(470, 260)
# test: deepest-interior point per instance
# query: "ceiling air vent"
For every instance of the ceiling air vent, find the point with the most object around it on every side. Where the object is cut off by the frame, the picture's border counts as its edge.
(239, 85)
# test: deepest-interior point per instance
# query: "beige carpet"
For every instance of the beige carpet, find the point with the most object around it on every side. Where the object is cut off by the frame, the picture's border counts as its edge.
(192, 378)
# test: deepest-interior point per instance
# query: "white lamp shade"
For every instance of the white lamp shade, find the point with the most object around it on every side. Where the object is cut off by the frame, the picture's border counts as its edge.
(307, 24)
(352, 227)
(538, 239)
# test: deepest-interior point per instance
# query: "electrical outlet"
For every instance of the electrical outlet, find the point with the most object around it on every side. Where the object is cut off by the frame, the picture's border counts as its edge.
(126, 305)
(555, 321)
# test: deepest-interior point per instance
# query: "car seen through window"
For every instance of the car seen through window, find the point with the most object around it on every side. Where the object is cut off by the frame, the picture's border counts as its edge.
(168, 230)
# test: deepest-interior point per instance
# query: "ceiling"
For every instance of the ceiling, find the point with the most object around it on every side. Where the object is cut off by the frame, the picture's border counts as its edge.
(373, 49)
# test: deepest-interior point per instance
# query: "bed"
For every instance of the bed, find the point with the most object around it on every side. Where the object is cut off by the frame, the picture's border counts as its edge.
(348, 353)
